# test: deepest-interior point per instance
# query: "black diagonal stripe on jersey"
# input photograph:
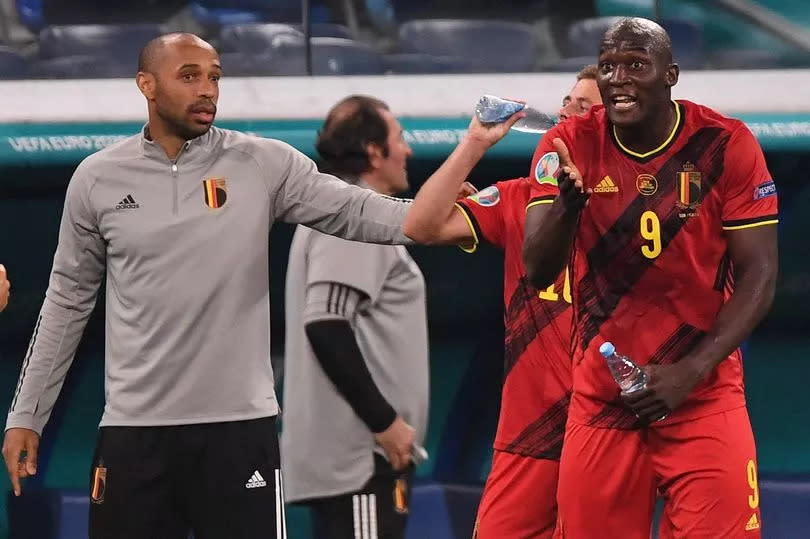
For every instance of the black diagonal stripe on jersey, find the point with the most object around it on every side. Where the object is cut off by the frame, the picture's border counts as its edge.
(543, 438)
(526, 316)
(614, 414)
(680, 343)
(723, 276)
(606, 282)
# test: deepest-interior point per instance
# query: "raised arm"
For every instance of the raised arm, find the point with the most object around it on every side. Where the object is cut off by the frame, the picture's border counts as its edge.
(329, 205)
(551, 220)
(432, 218)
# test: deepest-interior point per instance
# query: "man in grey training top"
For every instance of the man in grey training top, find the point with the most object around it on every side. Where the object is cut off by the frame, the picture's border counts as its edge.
(356, 348)
(178, 218)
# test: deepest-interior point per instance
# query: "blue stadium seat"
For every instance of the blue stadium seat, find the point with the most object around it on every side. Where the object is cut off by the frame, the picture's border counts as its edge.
(487, 46)
(571, 64)
(214, 14)
(442, 510)
(238, 64)
(48, 514)
(259, 38)
(211, 17)
(82, 67)
(585, 36)
(748, 59)
(31, 14)
(13, 65)
(116, 43)
(255, 38)
(687, 42)
(330, 56)
(785, 505)
(327, 29)
(417, 63)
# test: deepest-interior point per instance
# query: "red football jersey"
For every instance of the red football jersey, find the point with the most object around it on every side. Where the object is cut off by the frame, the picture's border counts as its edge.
(650, 261)
(537, 366)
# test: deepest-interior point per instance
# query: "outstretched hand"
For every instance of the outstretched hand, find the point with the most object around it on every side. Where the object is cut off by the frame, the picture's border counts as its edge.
(573, 193)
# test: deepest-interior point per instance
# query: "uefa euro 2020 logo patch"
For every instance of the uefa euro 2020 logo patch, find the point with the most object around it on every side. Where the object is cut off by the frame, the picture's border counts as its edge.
(546, 168)
(486, 197)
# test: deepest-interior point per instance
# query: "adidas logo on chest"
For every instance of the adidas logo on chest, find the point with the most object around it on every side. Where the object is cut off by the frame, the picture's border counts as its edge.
(606, 186)
(127, 203)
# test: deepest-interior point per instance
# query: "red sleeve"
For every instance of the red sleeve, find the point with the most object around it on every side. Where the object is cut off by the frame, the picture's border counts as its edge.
(484, 212)
(748, 191)
(545, 165)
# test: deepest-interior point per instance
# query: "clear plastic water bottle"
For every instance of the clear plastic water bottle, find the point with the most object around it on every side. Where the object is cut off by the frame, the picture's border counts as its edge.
(419, 455)
(492, 109)
(627, 374)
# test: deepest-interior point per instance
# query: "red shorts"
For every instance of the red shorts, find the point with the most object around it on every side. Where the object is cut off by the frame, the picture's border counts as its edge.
(705, 469)
(520, 498)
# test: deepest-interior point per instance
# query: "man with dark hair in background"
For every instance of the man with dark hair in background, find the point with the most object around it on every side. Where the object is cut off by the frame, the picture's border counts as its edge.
(356, 357)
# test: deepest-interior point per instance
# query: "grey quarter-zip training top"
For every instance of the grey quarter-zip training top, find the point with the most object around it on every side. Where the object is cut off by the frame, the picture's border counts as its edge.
(185, 246)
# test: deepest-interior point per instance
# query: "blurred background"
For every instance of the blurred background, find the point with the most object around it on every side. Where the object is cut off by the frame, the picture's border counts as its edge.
(67, 91)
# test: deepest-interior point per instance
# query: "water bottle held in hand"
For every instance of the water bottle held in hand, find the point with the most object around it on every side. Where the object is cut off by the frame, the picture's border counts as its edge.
(419, 455)
(627, 374)
(491, 109)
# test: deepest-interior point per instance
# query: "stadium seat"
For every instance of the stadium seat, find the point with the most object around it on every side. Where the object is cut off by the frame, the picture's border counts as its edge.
(213, 18)
(327, 29)
(572, 64)
(417, 63)
(330, 56)
(48, 514)
(259, 38)
(13, 65)
(31, 14)
(82, 67)
(585, 36)
(442, 510)
(213, 14)
(687, 42)
(748, 59)
(113, 43)
(785, 505)
(255, 38)
(487, 46)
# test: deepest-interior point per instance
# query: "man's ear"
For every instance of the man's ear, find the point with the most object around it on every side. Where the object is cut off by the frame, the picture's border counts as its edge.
(375, 155)
(146, 84)
(671, 77)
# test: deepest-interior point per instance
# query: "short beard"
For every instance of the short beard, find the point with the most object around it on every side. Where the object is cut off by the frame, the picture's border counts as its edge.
(178, 127)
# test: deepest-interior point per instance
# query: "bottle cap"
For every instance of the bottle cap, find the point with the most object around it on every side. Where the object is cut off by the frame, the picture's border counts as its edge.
(607, 349)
